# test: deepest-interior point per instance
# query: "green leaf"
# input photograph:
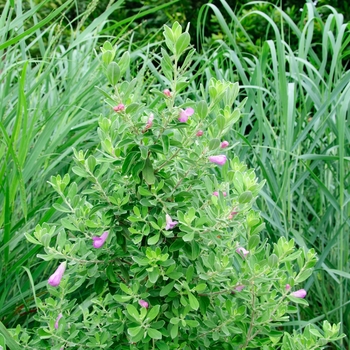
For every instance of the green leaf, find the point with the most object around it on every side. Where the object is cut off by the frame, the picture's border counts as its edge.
(214, 144)
(189, 273)
(200, 287)
(303, 276)
(61, 208)
(113, 73)
(134, 331)
(125, 289)
(31, 239)
(153, 240)
(154, 334)
(144, 192)
(192, 323)
(245, 197)
(167, 289)
(124, 62)
(132, 311)
(221, 121)
(188, 237)
(153, 313)
(148, 172)
(129, 162)
(140, 261)
(202, 109)
(132, 108)
(122, 298)
(194, 304)
(91, 163)
(167, 65)
(298, 300)
(153, 275)
(174, 331)
(253, 242)
(273, 261)
(182, 43)
(177, 245)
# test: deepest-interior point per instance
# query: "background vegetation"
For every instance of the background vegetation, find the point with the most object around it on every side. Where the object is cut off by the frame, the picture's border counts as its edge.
(292, 65)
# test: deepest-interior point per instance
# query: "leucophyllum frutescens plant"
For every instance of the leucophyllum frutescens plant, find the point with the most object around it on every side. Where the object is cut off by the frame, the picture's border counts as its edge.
(160, 247)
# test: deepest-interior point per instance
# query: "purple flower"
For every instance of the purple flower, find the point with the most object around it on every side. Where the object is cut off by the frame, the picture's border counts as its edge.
(242, 251)
(287, 287)
(55, 278)
(301, 293)
(98, 242)
(199, 133)
(224, 144)
(57, 319)
(119, 108)
(170, 224)
(219, 160)
(239, 288)
(143, 303)
(184, 114)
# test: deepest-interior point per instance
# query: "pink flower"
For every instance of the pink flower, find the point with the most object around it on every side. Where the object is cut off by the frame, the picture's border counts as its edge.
(287, 287)
(301, 293)
(242, 251)
(232, 215)
(216, 194)
(119, 108)
(143, 303)
(57, 319)
(55, 278)
(98, 242)
(170, 224)
(184, 114)
(149, 122)
(167, 93)
(199, 133)
(224, 144)
(219, 160)
(239, 288)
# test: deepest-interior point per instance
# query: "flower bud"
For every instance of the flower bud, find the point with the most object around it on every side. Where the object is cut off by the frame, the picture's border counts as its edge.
(57, 319)
(239, 287)
(199, 133)
(224, 144)
(55, 278)
(119, 108)
(219, 160)
(301, 293)
(167, 93)
(143, 303)
(98, 242)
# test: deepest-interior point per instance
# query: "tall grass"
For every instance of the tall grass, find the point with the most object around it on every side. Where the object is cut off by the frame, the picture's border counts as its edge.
(47, 106)
(295, 130)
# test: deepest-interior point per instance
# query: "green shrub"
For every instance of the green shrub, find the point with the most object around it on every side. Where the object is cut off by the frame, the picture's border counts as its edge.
(159, 246)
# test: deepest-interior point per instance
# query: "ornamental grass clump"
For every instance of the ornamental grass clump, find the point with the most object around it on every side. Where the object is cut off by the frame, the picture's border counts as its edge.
(174, 262)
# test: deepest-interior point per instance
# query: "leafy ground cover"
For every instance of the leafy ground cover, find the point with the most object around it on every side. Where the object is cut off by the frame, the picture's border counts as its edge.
(294, 132)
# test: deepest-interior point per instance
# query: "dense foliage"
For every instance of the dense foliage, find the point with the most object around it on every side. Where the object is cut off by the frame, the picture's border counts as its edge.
(293, 130)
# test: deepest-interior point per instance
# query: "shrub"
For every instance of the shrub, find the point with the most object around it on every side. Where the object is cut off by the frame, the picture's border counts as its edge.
(160, 245)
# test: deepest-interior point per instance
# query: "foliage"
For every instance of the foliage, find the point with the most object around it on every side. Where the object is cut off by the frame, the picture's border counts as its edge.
(295, 131)
(47, 106)
(156, 258)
